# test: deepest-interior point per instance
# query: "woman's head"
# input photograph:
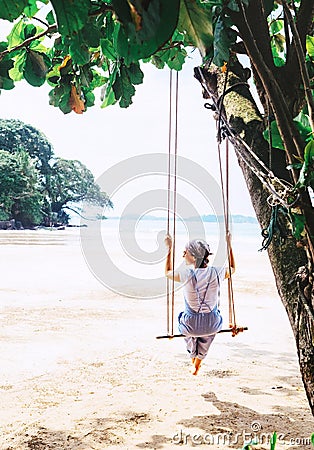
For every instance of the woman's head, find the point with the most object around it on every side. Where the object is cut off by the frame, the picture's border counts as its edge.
(199, 250)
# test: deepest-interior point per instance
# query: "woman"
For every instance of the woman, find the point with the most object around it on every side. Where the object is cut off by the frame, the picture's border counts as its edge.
(201, 320)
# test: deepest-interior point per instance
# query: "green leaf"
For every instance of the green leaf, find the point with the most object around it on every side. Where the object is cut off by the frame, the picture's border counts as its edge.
(5, 81)
(60, 97)
(64, 104)
(174, 57)
(16, 35)
(158, 62)
(135, 74)
(306, 176)
(224, 37)
(31, 9)
(92, 34)
(279, 62)
(89, 97)
(302, 124)
(86, 76)
(3, 46)
(122, 10)
(109, 99)
(29, 31)
(150, 26)
(50, 18)
(310, 45)
(312, 439)
(309, 153)
(36, 68)
(16, 73)
(123, 88)
(304, 130)
(71, 15)
(276, 26)
(303, 119)
(97, 80)
(54, 75)
(273, 441)
(276, 140)
(79, 50)
(12, 10)
(197, 22)
(108, 49)
(298, 224)
(37, 46)
(109, 95)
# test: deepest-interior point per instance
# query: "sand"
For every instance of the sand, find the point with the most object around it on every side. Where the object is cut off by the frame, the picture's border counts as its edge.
(81, 367)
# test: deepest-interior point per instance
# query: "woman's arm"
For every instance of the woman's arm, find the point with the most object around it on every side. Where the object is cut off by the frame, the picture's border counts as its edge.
(169, 261)
(231, 258)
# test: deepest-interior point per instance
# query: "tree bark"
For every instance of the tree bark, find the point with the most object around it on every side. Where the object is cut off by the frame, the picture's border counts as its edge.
(289, 259)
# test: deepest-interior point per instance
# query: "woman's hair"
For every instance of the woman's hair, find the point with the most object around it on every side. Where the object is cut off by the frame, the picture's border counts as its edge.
(200, 250)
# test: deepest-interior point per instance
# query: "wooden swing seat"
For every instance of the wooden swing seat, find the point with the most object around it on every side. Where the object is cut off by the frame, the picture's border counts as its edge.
(233, 330)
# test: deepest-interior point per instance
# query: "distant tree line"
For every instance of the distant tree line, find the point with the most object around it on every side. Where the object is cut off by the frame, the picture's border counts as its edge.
(36, 188)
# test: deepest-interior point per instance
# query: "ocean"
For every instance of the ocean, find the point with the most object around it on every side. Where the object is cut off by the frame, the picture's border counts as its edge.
(128, 255)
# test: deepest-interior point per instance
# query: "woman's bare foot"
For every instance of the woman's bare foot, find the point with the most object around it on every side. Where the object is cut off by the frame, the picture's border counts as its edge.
(197, 365)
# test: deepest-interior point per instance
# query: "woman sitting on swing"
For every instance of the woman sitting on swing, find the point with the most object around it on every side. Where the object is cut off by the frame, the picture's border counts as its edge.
(201, 320)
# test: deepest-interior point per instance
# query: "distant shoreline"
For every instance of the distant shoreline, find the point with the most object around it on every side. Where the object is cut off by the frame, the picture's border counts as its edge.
(235, 218)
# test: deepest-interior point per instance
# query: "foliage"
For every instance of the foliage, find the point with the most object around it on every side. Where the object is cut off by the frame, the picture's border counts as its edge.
(20, 196)
(33, 184)
(82, 46)
(101, 45)
(92, 45)
(15, 135)
(71, 181)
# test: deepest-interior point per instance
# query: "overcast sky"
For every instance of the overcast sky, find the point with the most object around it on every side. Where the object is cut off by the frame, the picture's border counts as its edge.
(101, 138)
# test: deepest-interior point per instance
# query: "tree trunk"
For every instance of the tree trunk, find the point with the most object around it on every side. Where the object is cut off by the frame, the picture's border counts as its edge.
(243, 126)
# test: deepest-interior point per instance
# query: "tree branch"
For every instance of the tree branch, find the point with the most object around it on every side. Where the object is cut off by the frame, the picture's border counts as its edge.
(304, 18)
(301, 60)
(290, 135)
(50, 29)
(290, 73)
(257, 19)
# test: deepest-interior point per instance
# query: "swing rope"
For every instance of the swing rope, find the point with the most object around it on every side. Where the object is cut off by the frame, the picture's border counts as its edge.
(225, 201)
(225, 190)
(280, 190)
(168, 193)
(170, 292)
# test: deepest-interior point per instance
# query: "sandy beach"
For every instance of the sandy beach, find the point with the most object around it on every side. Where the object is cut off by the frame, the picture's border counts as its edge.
(81, 367)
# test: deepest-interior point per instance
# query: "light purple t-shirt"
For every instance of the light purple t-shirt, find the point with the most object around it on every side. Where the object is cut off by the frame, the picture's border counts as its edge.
(202, 282)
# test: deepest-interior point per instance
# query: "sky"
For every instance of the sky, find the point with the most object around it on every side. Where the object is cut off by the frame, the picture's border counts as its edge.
(104, 138)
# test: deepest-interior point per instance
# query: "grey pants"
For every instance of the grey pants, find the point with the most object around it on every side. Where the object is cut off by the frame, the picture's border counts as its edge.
(199, 330)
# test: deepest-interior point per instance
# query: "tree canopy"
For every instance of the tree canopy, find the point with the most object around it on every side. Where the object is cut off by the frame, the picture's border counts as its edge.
(79, 46)
(35, 186)
(19, 188)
